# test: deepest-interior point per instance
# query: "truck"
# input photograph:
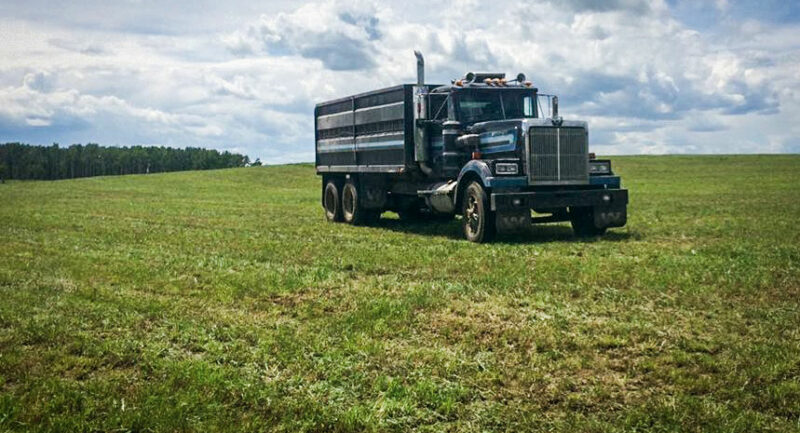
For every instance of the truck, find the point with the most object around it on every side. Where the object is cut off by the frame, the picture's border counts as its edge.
(480, 147)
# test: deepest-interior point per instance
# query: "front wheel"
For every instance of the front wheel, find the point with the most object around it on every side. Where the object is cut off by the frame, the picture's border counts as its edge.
(478, 219)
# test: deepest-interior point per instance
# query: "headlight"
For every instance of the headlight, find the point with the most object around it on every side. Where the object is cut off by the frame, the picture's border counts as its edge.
(506, 168)
(599, 167)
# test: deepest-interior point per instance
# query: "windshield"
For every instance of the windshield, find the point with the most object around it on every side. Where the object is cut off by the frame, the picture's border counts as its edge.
(482, 105)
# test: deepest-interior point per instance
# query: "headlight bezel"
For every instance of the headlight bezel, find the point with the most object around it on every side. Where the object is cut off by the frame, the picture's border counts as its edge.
(506, 168)
(600, 167)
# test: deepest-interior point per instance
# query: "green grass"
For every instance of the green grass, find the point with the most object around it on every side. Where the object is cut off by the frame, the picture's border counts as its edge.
(222, 301)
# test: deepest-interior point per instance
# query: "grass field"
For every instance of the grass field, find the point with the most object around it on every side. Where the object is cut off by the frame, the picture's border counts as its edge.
(222, 301)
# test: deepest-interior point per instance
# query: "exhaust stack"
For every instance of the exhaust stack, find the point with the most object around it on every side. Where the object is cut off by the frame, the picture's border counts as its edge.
(420, 68)
(420, 115)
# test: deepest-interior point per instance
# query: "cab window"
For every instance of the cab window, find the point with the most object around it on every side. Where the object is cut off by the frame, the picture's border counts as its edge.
(438, 107)
(480, 106)
(483, 105)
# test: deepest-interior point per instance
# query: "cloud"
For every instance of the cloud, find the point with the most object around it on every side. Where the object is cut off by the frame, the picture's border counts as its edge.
(244, 76)
(341, 36)
(703, 122)
(633, 6)
(91, 48)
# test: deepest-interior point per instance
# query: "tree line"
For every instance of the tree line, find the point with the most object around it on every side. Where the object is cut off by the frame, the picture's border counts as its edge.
(24, 161)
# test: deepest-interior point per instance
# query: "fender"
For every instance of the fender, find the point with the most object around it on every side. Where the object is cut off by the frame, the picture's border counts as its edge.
(478, 168)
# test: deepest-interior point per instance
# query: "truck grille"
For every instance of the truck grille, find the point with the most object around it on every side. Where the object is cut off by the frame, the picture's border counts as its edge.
(558, 155)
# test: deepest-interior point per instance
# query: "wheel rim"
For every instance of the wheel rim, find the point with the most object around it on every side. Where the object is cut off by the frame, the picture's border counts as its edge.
(330, 201)
(348, 202)
(472, 215)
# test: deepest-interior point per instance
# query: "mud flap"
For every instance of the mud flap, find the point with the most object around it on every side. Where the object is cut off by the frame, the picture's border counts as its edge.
(372, 197)
(509, 222)
(610, 217)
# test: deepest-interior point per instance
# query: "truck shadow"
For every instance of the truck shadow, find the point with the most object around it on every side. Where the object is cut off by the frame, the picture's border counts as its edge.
(541, 233)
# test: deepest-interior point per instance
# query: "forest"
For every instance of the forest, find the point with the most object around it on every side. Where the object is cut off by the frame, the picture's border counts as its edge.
(24, 161)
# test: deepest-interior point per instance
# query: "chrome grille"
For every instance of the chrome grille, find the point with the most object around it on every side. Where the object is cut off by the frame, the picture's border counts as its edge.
(558, 155)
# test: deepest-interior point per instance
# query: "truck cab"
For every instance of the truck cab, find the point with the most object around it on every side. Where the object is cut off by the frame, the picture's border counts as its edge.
(481, 147)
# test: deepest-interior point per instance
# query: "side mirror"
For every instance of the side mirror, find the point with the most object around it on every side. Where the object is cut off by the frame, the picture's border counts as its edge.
(468, 141)
(555, 118)
(555, 107)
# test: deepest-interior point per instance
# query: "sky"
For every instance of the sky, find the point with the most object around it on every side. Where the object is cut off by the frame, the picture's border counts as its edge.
(650, 77)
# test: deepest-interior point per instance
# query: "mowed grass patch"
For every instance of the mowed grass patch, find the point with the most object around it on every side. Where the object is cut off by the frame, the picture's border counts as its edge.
(222, 301)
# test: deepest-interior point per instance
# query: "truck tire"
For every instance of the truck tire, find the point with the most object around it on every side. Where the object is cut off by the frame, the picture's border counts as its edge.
(353, 212)
(477, 219)
(582, 220)
(331, 202)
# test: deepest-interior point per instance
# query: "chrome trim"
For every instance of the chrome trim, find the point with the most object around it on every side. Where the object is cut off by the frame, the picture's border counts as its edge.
(360, 169)
(335, 120)
(551, 159)
(558, 152)
(380, 113)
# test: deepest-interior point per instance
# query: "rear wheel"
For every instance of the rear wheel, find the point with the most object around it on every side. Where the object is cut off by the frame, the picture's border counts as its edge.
(331, 202)
(353, 211)
(582, 220)
(478, 220)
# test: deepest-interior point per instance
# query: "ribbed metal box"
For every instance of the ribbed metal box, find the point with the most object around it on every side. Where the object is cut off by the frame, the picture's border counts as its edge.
(369, 132)
(558, 155)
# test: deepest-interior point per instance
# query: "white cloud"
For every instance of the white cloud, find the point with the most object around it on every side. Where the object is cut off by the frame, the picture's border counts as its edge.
(340, 37)
(247, 79)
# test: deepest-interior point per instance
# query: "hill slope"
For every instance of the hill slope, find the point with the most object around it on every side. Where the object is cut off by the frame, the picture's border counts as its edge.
(221, 300)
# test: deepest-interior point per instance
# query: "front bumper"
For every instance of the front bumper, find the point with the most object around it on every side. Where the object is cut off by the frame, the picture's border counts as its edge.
(513, 209)
(516, 201)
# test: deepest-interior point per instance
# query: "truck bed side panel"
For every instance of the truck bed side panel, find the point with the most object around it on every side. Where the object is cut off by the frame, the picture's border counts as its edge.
(334, 133)
(380, 121)
(369, 132)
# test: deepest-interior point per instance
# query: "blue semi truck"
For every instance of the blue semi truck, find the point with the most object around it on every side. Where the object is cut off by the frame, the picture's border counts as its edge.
(481, 147)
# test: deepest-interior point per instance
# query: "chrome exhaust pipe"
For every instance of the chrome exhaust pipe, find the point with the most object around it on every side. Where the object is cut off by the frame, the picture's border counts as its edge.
(420, 68)
(421, 113)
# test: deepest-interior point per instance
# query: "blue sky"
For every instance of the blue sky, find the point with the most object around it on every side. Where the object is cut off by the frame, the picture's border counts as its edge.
(650, 76)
